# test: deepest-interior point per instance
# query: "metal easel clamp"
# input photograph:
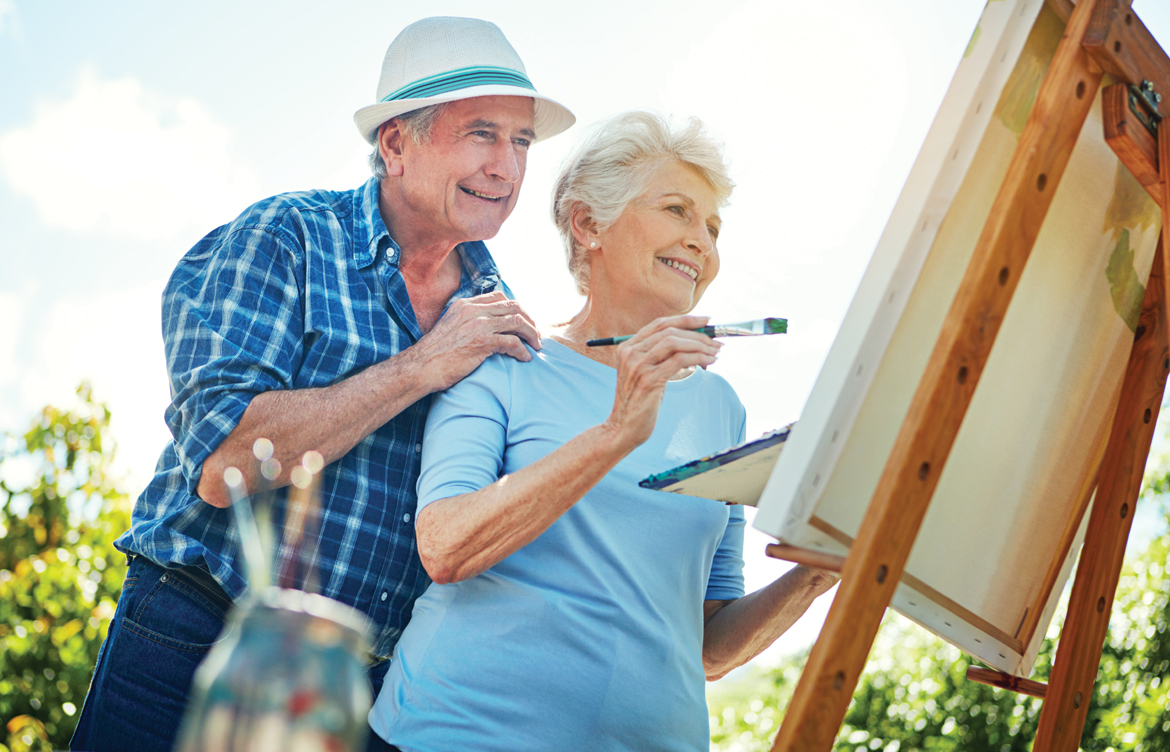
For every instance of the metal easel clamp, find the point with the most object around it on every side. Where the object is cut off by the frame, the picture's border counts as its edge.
(1147, 112)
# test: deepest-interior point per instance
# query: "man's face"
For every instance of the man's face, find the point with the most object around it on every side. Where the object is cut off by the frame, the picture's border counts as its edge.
(465, 181)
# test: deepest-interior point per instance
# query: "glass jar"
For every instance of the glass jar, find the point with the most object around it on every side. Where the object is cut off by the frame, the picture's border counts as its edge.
(289, 675)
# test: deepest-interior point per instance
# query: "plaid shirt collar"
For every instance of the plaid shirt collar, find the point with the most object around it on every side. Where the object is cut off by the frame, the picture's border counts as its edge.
(372, 237)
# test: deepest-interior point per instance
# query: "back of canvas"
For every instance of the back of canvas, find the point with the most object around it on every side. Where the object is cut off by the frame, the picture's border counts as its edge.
(1003, 527)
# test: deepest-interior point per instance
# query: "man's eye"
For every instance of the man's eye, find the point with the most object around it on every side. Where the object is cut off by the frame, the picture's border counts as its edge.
(523, 143)
(482, 134)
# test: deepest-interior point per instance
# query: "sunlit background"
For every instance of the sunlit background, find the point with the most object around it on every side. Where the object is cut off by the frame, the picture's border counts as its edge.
(130, 129)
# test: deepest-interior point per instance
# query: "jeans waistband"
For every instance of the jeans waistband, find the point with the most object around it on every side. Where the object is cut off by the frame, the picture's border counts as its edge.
(197, 577)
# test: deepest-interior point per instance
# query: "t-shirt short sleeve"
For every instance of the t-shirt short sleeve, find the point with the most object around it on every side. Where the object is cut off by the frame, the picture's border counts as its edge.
(726, 580)
(466, 430)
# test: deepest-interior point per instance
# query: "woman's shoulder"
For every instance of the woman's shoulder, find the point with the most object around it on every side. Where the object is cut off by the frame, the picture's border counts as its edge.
(717, 390)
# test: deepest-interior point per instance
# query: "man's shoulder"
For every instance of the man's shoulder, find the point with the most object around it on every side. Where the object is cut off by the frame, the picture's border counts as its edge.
(278, 221)
(278, 209)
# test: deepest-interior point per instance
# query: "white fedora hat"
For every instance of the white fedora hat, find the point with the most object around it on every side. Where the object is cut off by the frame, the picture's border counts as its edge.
(438, 60)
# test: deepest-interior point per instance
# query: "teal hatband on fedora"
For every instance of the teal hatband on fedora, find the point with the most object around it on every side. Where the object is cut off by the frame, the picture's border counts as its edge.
(444, 59)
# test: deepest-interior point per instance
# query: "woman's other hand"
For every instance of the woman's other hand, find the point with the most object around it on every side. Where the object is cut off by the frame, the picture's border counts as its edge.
(645, 362)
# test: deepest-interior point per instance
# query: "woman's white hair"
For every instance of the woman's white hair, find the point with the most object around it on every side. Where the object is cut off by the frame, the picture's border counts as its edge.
(615, 165)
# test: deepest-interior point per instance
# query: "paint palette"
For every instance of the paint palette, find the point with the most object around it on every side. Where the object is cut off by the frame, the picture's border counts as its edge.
(736, 475)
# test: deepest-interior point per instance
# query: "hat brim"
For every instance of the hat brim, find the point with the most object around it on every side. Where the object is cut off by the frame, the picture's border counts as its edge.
(550, 117)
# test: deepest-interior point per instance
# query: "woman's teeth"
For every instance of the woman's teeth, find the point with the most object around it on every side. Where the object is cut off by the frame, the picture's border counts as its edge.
(688, 270)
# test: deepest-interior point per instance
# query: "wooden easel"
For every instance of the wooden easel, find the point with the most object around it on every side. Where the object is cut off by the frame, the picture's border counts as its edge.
(1101, 36)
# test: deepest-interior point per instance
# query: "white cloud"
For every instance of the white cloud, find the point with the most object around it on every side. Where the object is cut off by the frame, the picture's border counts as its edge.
(14, 310)
(114, 340)
(118, 159)
(9, 18)
(793, 135)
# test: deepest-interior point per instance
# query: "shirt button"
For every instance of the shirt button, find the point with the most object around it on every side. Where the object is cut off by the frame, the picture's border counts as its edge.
(406, 517)
(418, 447)
(384, 594)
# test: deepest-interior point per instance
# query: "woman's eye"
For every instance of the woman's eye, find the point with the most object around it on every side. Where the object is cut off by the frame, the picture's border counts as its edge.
(677, 210)
(713, 231)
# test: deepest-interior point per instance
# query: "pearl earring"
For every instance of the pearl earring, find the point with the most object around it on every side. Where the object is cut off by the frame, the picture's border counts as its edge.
(593, 244)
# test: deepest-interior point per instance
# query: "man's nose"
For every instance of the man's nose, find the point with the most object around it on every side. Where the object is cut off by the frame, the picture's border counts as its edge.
(506, 164)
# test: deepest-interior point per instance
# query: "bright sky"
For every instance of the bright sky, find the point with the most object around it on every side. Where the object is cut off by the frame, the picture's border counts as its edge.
(129, 130)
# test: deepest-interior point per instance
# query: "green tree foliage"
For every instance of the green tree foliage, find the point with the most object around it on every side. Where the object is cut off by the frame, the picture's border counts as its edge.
(914, 694)
(60, 576)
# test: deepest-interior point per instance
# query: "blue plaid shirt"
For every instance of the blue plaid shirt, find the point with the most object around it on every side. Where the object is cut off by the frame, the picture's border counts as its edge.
(301, 291)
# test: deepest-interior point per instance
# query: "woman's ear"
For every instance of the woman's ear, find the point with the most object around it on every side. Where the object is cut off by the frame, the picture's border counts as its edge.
(584, 227)
(390, 142)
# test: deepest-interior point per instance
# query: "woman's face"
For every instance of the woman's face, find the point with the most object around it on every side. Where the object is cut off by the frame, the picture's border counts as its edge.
(661, 251)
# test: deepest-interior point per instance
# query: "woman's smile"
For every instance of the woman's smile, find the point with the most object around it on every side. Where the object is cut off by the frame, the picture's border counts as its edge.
(690, 271)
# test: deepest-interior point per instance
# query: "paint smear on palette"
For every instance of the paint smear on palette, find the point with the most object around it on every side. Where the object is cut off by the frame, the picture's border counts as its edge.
(1019, 93)
(736, 475)
(1131, 208)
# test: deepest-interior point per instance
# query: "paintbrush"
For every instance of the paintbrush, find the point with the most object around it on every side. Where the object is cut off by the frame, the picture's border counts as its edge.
(300, 525)
(257, 559)
(745, 329)
(267, 471)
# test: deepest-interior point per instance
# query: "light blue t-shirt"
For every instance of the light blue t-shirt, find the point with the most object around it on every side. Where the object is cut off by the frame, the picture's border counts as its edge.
(590, 637)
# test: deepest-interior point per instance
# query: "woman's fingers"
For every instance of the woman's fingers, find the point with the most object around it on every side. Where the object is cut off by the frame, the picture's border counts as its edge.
(685, 322)
(660, 346)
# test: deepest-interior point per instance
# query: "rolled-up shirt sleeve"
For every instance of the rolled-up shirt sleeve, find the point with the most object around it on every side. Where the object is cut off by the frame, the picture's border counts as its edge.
(232, 327)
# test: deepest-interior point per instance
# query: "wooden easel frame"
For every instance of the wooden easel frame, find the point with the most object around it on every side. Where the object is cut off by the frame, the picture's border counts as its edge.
(1101, 36)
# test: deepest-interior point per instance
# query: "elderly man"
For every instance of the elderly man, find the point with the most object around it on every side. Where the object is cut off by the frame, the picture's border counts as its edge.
(323, 321)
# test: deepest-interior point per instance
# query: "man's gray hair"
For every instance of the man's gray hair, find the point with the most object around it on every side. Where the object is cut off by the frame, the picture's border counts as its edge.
(615, 165)
(415, 125)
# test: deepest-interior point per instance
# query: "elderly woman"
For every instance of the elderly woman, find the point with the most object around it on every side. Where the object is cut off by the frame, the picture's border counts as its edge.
(572, 609)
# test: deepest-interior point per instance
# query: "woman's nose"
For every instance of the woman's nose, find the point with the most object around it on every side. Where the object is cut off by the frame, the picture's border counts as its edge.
(701, 240)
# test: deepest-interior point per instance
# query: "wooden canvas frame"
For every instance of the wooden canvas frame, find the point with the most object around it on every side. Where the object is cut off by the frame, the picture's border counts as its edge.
(1101, 36)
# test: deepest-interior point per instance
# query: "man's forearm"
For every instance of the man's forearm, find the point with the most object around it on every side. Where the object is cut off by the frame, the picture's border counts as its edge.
(330, 420)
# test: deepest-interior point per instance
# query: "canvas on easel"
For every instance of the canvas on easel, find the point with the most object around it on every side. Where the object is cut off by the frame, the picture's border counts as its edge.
(1005, 521)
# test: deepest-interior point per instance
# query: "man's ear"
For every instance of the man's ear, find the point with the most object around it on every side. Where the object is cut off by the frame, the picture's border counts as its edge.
(390, 142)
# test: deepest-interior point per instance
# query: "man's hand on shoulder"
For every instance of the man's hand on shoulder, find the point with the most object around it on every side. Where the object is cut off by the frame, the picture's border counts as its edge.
(331, 420)
(470, 331)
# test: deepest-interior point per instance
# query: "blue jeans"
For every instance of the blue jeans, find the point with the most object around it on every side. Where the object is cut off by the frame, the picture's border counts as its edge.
(166, 622)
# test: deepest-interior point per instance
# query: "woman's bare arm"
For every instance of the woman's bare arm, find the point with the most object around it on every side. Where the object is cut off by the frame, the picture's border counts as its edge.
(738, 630)
(461, 536)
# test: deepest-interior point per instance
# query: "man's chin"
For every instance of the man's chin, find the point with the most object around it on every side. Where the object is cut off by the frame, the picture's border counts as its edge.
(485, 230)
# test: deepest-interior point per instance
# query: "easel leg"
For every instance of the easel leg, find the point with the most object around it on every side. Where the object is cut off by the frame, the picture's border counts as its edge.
(879, 553)
(1078, 654)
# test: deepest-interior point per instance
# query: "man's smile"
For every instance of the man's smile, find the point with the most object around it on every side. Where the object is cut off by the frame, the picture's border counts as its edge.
(485, 196)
